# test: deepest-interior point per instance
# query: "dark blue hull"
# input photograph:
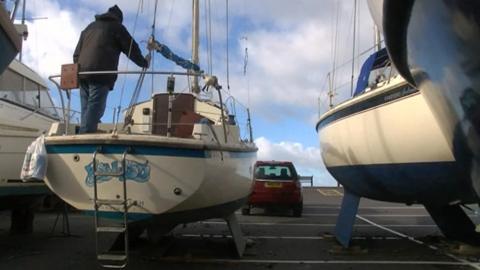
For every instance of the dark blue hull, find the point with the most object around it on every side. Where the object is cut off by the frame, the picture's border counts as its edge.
(436, 183)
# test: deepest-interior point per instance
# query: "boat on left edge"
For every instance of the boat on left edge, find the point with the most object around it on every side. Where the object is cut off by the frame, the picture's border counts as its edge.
(26, 112)
(10, 40)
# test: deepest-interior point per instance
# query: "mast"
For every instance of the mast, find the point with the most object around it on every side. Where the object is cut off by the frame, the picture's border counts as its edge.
(23, 24)
(195, 41)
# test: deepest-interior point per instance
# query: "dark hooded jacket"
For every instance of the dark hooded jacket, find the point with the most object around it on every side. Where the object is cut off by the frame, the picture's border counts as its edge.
(100, 46)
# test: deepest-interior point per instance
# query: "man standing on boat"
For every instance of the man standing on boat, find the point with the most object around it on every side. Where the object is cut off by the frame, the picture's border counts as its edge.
(99, 48)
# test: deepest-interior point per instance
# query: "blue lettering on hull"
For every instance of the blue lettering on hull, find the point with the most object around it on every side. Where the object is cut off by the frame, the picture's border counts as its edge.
(135, 171)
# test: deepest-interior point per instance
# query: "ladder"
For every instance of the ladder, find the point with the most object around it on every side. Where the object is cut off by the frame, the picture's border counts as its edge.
(111, 259)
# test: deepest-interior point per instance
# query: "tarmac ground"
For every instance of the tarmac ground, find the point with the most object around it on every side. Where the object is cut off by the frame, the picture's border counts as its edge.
(386, 236)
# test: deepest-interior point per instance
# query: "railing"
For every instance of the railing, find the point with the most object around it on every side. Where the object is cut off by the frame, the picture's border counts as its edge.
(66, 106)
(306, 179)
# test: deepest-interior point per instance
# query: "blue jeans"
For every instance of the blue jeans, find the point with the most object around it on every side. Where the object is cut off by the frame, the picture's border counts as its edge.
(93, 100)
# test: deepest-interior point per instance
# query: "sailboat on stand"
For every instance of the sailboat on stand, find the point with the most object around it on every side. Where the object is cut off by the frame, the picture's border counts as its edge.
(386, 143)
(178, 159)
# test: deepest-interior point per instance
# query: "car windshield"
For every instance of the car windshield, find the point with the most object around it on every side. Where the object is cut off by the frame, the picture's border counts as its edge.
(274, 172)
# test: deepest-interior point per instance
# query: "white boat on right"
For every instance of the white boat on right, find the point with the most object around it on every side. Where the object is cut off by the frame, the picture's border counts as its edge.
(386, 144)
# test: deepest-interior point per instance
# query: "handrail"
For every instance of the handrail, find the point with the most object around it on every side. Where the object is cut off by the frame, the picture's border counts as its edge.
(54, 80)
(105, 72)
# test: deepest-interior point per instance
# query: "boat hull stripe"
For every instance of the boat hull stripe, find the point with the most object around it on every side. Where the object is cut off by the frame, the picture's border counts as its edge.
(367, 104)
(119, 149)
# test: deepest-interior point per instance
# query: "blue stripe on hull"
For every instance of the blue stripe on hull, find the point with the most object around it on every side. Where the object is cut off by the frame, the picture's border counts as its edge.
(132, 217)
(119, 149)
(436, 182)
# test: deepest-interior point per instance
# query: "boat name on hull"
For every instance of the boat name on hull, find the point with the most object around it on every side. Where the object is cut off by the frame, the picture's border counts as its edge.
(136, 171)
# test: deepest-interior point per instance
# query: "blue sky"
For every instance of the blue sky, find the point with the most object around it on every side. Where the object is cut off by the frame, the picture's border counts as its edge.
(289, 55)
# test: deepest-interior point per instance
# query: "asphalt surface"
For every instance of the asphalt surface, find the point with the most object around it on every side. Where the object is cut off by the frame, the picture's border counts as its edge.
(386, 236)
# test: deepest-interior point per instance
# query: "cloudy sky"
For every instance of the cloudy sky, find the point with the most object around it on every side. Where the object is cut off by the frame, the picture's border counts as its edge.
(290, 47)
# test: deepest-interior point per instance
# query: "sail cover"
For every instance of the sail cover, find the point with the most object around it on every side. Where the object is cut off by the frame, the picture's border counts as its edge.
(376, 60)
(167, 53)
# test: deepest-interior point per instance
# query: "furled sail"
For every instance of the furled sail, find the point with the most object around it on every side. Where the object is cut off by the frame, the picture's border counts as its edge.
(167, 53)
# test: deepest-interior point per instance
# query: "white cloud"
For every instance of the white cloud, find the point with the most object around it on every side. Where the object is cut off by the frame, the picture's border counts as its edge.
(307, 160)
(51, 41)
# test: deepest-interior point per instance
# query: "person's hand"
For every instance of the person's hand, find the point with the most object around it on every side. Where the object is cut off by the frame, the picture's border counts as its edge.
(148, 57)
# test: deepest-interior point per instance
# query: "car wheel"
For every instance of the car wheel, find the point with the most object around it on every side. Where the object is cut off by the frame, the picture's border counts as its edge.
(246, 211)
(297, 210)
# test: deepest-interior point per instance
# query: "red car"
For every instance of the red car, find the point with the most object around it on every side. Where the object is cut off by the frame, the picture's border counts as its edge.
(275, 185)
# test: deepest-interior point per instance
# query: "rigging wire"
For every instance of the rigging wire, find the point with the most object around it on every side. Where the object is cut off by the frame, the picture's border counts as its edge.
(333, 78)
(208, 36)
(359, 26)
(356, 57)
(354, 41)
(154, 18)
(170, 16)
(140, 5)
(228, 62)
(152, 61)
(167, 28)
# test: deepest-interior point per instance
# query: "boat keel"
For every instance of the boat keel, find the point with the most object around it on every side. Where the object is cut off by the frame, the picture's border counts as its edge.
(454, 223)
(346, 218)
(237, 234)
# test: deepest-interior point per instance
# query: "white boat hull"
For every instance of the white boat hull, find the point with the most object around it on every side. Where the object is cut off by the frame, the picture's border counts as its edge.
(161, 179)
(19, 126)
(387, 145)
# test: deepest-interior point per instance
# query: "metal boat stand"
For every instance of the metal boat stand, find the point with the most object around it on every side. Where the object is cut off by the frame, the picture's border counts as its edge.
(237, 234)
(65, 221)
